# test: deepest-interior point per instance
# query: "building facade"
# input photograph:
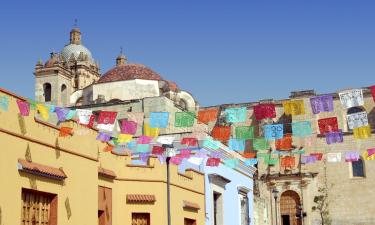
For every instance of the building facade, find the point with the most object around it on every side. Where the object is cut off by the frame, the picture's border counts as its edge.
(49, 179)
(285, 195)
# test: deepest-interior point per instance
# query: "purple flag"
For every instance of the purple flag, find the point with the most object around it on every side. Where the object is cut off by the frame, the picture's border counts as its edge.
(322, 104)
(351, 156)
(334, 137)
(144, 140)
(144, 157)
(62, 113)
(308, 159)
(103, 137)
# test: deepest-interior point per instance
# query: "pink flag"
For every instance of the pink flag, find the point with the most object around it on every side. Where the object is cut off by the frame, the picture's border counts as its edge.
(24, 107)
(185, 153)
(370, 151)
(128, 127)
(144, 140)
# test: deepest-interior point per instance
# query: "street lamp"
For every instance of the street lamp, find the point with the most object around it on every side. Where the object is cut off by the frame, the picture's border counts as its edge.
(275, 193)
(169, 153)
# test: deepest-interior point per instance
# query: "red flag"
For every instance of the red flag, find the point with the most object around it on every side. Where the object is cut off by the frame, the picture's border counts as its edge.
(189, 141)
(318, 156)
(213, 162)
(207, 115)
(157, 150)
(288, 161)
(263, 111)
(372, 88)
(106, 117)
(328, 125)
(284, 143)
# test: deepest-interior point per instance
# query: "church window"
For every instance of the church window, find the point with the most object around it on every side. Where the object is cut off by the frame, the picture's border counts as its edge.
(47, 92)
(63, 94)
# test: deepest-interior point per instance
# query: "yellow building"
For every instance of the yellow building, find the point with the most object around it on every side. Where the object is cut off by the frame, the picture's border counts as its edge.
(47, 179)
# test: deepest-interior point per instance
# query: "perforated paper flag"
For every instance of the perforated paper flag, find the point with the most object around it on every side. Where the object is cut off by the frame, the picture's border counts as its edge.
(274, 131)
(370, 151)
(43, 110)
(4, 103)
(106, 127)
(231, 162)
(366, 156)
(210, 143)
(184, 119)
(176, 160)
(185, 153)
(159, 119)
(237, 144)
(207, 115)
(317, 155)
(351, 98)
(143, 147)
(328, 125)
(123, 138)
(61, 113)
(195, 160)
(144, 156)
(362, 132)
(144, 140)
(334, 137)
(213, 162)
(372, 89)
(260, 144)
(288, 161)
(294, 107)
(128, 127)
(151, 132)
(103, 137)
(244, 132)
(263, 111)
(65, 131)
(322, 104)
(221, 133)
(334, 157)
(356, 120)
(284, 143)
(270, 160)
(189, 141)
(301, 129)
(236, 115)
(84, 116)
(107, 117)
(168, 140)
(251, 162)
(351, 156)
(308, 159)
(24, 107)
(157, 150)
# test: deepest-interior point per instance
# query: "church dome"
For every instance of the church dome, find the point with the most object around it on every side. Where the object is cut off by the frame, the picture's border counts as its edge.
(76, 50)
(129, 72)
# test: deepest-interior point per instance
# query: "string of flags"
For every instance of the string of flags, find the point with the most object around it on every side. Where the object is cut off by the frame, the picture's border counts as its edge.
(144, 145)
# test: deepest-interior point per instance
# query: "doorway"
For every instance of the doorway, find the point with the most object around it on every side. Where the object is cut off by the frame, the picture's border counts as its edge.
(189, 222)
(289, 203)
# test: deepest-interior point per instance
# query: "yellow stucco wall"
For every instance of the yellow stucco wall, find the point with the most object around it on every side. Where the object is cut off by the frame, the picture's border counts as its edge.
(80, 157)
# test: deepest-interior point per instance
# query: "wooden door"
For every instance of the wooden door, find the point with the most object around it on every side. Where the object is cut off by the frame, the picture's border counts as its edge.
(289, 203)
(140, 219)
(37, 208)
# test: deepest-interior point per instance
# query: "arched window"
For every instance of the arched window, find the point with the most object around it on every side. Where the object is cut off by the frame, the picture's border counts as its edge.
(64, 93)
(47, 92)
(358, 168)
(353, 110)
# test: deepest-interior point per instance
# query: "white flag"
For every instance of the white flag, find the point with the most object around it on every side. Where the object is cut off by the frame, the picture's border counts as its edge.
(351, 98)
(84, 116)
(357, 120)
(334, 157)
(168, 140)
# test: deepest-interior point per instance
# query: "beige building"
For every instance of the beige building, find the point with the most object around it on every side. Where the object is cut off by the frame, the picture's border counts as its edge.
(48, 179)
(349, 184)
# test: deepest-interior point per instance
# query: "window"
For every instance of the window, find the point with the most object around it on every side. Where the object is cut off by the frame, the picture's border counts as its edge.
(358, 169)
(64, 93)
(140, 218)
(218, 207)
(189, 222)
(47, 92)
(244, 208)
(38, 208)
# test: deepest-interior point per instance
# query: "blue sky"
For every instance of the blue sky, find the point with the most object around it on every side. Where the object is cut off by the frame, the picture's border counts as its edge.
(220, 51)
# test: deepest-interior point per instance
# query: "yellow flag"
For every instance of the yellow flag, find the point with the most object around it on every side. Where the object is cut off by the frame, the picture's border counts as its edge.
(43, 110)
(294, 107)
(362, 132)
(124, 138)
(151, 132)
(366, 157)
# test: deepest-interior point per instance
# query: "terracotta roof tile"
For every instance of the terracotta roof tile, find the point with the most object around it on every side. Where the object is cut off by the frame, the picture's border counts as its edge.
(139, 198)
(106, 173)
(129, 72)
(190, 205)
(41, 170)
(172, 86)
